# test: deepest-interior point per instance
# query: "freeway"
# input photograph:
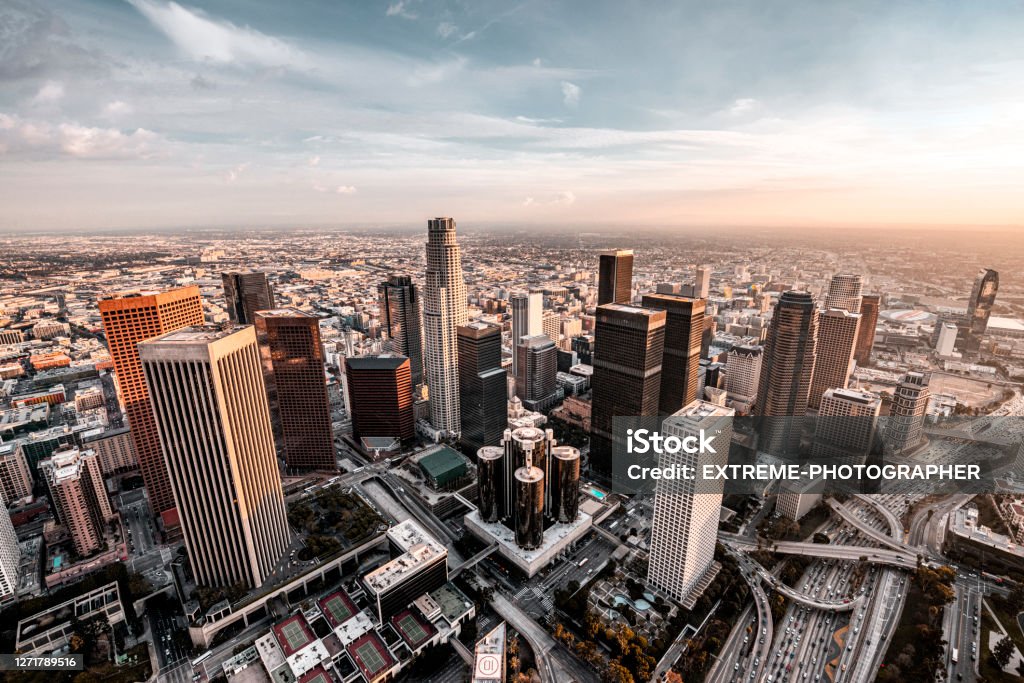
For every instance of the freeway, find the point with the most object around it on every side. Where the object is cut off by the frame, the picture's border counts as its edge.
(761, 628)
(903, 560)
(851, 518)
(554, 664)
(895, 526)
(960, 626)
(797, 596)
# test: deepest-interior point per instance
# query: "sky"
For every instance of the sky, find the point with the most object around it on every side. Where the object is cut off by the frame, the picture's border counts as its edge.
(252, 113)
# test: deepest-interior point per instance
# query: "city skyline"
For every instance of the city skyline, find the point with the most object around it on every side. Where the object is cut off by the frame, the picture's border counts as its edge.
(152, 114)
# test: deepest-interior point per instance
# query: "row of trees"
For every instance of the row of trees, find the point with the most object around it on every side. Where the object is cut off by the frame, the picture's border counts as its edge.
(922, 654)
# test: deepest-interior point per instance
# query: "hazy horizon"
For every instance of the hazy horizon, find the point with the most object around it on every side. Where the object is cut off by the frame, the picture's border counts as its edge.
(143, 115)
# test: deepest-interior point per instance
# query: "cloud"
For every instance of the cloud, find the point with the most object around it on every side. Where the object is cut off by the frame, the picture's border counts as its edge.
(560, 199)
(340, 189)
(200, 82)
(43, 139)
(233, 174)
(52, 91)
(571, 93)
(743, 105)
(446, 29)
(116, 108)
(202, 38)
(400, 9)
(313, 160)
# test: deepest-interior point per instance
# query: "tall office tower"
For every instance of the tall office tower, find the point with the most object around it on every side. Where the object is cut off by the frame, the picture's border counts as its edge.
(76, 488)
(444, 309)
(946, 344)
(742, 373)
(522, 447)
(904, 429)
(837, 337)
(10, 558)
(702, 283)
(869, 308)
(483, 386)
(490, 463)
(400, 316)
(127, 320)
(684, 325)
(528, 522)
(615, 277)
(684, 528)
(551, 326)
(527, 319)
(979, 308)
(787, 366)
(380, 396)
(845, 427)
(214, 422)
(563, 484)
(15, 478)
(629, 345)
(245, 292)
(844, 293)
(537, 380)
(293, 368)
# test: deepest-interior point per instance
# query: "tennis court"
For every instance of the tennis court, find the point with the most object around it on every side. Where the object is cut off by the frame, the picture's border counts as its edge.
(337, 608)
(370, 659)
(295, 635)
(411, 628)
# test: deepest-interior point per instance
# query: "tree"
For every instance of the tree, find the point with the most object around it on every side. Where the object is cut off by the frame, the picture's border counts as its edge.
(1003, 651)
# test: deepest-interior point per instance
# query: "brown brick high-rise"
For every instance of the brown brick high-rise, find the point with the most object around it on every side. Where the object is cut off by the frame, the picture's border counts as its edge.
(293, 362)
(128, 319)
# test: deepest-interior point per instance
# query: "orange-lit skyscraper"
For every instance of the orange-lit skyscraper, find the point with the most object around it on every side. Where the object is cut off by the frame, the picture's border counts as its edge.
(128, 319)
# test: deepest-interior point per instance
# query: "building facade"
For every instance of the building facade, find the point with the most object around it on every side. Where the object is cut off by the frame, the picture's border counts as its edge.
(615, 277)
(293, 369)
(844, 292)
(380, 396)
(245, 292)
(444, 309)
(870, 305)
(684, 325)
(837, 339)
(482, 386)
(402, 321)
(213, 418)
(127, 320)
(527, 320)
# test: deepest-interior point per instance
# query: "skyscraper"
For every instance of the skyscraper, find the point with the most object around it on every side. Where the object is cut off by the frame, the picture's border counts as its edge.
(786, 370)
(293, 365)
(844, 292)
(615, 277)
(946, 344)
(127, 320)
(444, 309)
(846, 423)
(837, 336)
(483, 394)
(904, 429)
(629, 345)
(15, 479)
(214, 422)
(869, 308)
(380, 396)
(538, 369)
(979, 308)
(702, 283)
(75, 481)
(10, 558)
(684, 527)
(684, 325)
(245, 292)
(551, 324)
(742, 373)
(400, 316)
(527, 320)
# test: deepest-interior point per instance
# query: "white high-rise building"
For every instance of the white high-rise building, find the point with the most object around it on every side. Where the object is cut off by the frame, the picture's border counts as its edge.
(742, 373)
(846, 425)
(702, 283)
(946, 345)
(444, 309)
(10, 557)
(211, 410)
(527, 320)
(686, 511)
(844, 292)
